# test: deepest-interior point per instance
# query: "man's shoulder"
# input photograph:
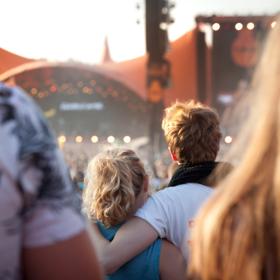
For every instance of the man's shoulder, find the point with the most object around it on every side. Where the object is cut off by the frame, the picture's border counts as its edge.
(185, 189)
(187, 194)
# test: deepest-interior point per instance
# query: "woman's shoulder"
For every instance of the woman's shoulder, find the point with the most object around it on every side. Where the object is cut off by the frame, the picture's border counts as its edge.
(108, 232)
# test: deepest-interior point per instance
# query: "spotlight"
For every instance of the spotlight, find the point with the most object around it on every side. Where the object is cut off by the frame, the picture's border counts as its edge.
(34, 91)
(127, 139)
(216, 26)
(94, 139)
(79, 139)
(164, 10)
(228, 139)
(61, 139)
(111, 139)
(250, 25)
(238, 26)
(163, 25)
(273, 24)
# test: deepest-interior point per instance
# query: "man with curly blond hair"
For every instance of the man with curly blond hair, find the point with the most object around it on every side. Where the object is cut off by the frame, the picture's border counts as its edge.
(193, 135)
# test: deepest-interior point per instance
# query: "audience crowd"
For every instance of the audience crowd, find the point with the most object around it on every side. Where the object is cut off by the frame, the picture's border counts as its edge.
(110, 214)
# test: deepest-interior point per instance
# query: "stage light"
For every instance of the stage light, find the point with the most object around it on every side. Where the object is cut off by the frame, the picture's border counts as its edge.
(127, 139)
(111, 139)
(273, 24)
(34, 91)
(78, 139)
(94, 139)
(238, 26)
(163, 25)
(250, 25)
(53, 88)
(216, 26)
(228, 139)
(164, 10)
(61, 139)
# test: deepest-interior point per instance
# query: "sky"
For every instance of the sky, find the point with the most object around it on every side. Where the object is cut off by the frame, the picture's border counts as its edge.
(70, 29)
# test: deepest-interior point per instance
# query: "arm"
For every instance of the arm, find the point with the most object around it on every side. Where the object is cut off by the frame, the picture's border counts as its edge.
(172, 264)
(69, 259)
(131, 239)
(137, 233)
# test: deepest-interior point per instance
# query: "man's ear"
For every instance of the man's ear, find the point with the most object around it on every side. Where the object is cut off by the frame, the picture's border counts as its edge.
(172, 155)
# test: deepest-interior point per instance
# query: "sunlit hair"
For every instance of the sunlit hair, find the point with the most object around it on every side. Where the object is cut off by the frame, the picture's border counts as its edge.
(192, 132)
(237, 233)
(113, 181)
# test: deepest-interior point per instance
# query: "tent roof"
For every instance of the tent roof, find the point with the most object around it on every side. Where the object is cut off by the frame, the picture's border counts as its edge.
(182, 55)
(132, 73)
(10, 60)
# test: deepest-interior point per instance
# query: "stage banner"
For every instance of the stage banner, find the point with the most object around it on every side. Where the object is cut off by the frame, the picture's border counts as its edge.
(236, 49)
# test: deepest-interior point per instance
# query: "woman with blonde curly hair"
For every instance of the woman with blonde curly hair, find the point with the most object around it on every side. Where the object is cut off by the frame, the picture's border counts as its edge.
(237, 234)
(116, 186)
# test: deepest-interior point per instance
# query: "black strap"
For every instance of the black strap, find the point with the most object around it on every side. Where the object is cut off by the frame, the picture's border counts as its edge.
(196, 173)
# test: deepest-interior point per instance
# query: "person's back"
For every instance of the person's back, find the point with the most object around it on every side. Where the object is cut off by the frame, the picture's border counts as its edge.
(40, 217)
(143, 266)
(166, 209)
(192, 133)
(116, 186)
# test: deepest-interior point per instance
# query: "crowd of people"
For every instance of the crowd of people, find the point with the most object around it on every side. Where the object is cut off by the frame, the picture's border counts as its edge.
(77, 157)
(212, 220)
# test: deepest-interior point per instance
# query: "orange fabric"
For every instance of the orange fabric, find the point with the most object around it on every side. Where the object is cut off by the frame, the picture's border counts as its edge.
(182, 56)
(183, 69)
(9, 60)
(132, 73)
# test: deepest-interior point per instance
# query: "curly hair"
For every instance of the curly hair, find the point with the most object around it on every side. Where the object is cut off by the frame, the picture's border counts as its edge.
(113, 180)
(192, 132)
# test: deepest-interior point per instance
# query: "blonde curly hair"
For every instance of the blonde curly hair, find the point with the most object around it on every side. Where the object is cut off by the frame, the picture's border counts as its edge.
(192, 132)
(113, 180)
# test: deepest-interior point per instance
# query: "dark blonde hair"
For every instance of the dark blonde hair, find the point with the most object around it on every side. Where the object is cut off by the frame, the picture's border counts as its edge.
(113, 181)
(237, 233)
(192, 132)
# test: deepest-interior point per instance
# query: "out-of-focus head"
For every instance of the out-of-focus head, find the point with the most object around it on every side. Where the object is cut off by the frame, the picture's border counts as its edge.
(116, 185)
(238, 230)
(257, 145)
(192, 132)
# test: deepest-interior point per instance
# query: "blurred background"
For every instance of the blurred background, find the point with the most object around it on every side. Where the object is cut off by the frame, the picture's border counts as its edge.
(103, 70)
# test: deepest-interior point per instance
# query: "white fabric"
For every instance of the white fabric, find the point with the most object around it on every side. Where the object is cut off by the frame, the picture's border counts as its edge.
(48, 227)
(171, 212)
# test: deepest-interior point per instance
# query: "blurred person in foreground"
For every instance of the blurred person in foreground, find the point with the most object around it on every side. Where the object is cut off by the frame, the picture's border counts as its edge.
(193, 135)
(42, 232)
(237, 234)
(116, 186)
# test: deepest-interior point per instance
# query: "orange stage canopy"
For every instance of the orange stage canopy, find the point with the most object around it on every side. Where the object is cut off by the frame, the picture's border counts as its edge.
(132, 73)
(10, 60)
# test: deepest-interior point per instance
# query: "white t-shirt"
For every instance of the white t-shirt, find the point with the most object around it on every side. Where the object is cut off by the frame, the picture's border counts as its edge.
(171, 212)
